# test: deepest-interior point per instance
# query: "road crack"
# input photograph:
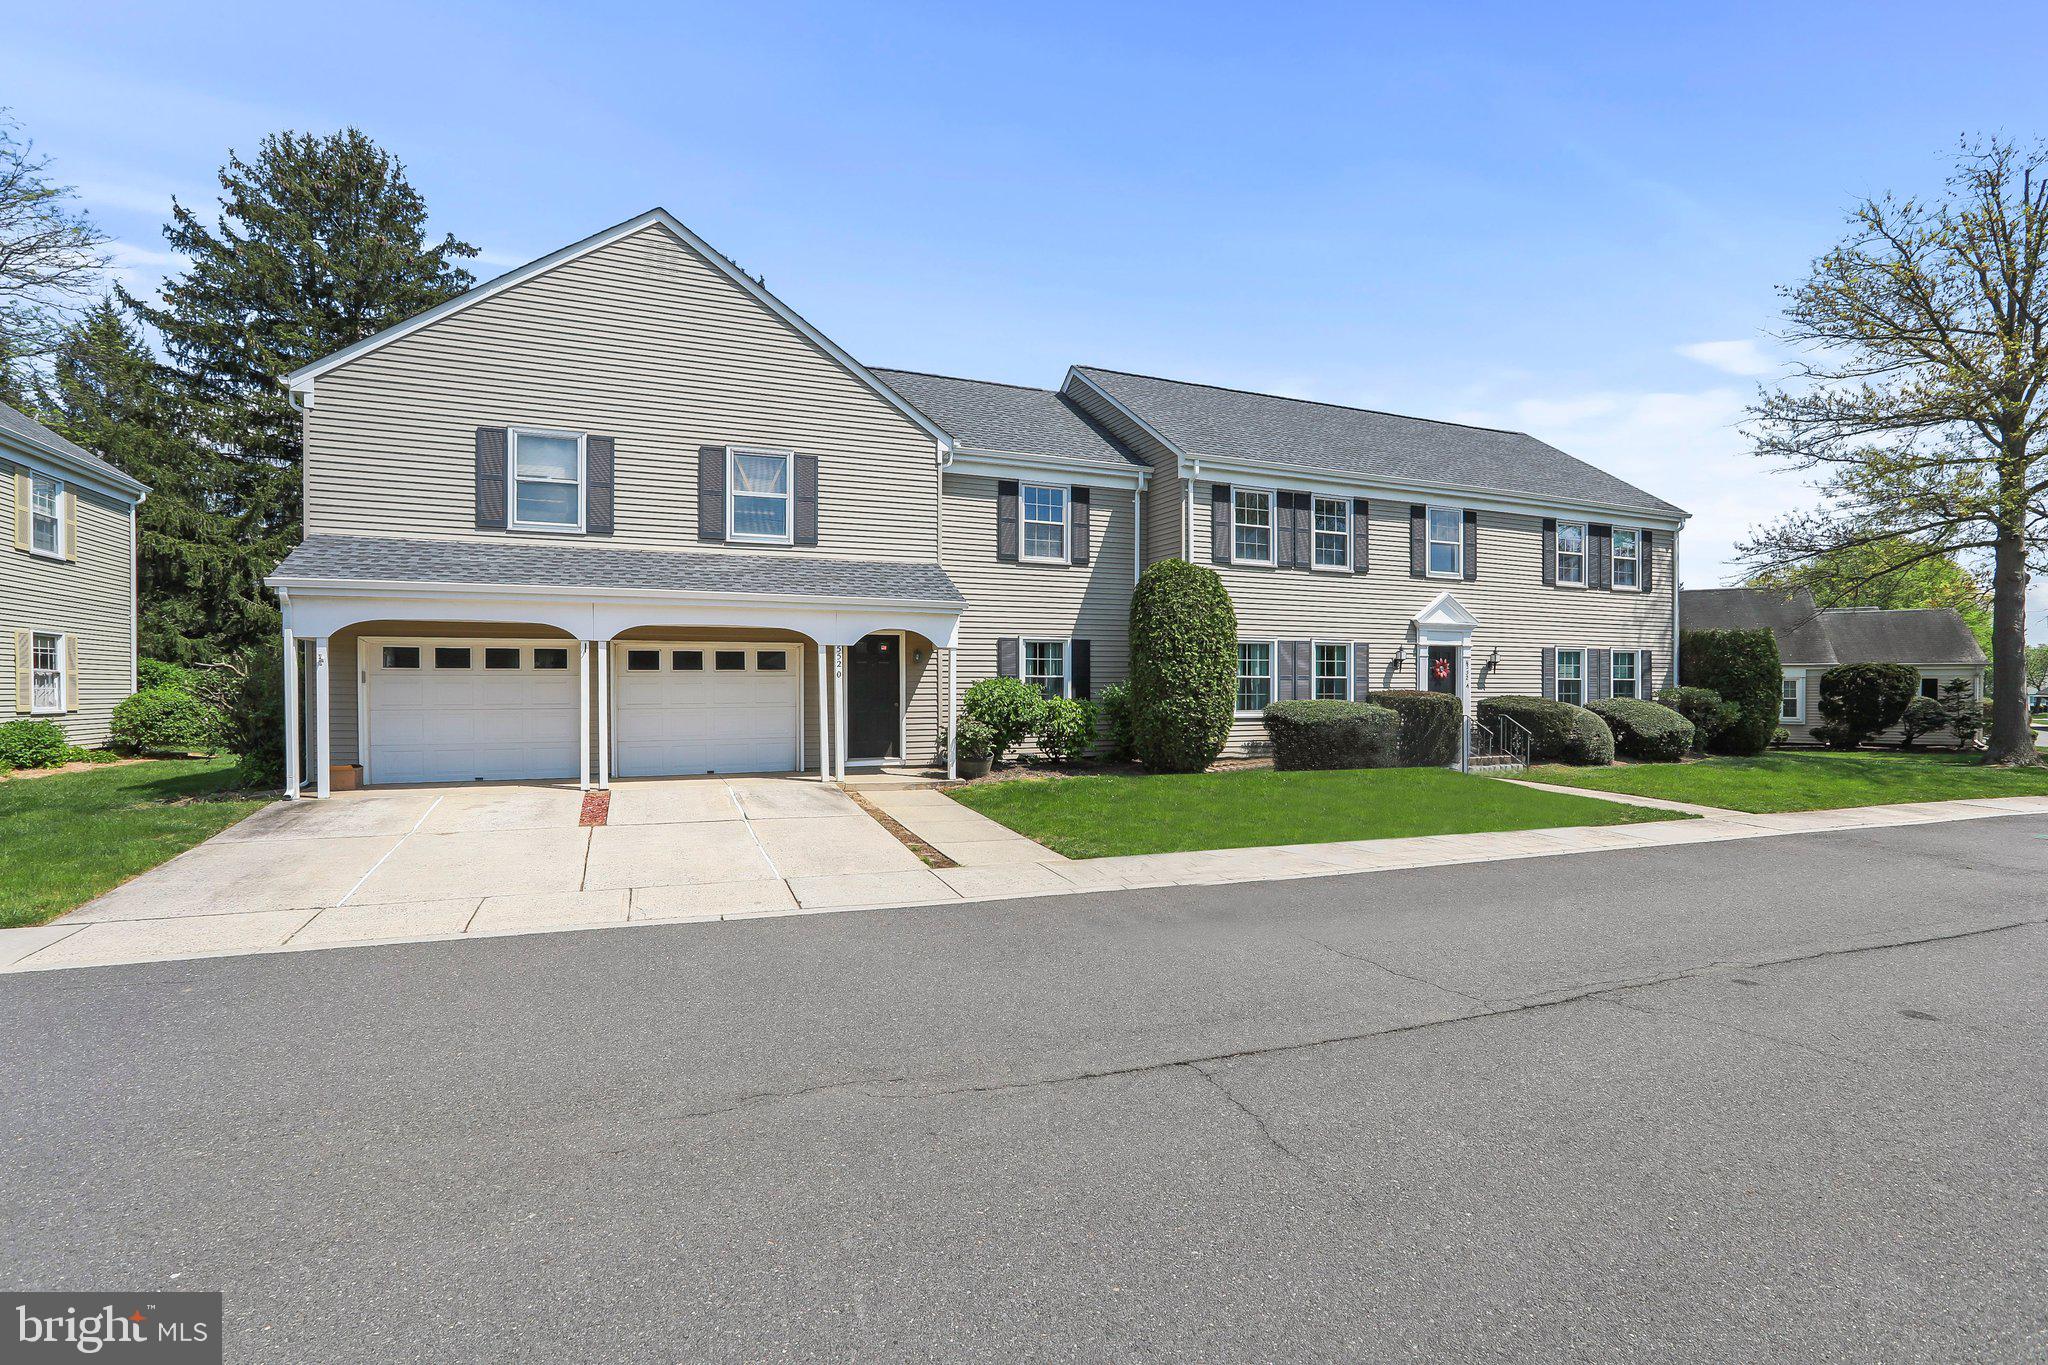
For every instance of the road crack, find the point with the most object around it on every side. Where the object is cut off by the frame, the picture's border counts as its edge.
(1390, 971)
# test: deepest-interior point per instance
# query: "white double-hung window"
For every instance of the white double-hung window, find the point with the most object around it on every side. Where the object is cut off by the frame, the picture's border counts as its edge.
(47, 682)
(46, 516)
(1254, 676)
(1251, 526)
(1446, 542)
(1045, 666)
(1571, 554)
(1628, 557)
(1044, 508)
(758, 495)
(1792, 699)
(1333, 672)
(547, 480)
(1571, 676)
(1333, 533)
(1626, 683)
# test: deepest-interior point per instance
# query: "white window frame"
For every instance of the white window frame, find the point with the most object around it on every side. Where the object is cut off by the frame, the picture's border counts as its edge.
(788, 458)
(1581, 652)
(1025, 523)
(1272, 525)
(1615, 557)
(57, 495)
(1798, 681)
(1315, 676)
(1457, 541)
(60, 644)
(1238, 674)
(1635, 662)
(1066, 649)
(1585, 554)
(512, 481)
(1315, 535)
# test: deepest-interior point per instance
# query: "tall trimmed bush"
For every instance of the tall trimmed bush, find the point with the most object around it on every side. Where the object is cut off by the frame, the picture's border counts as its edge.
(1861, 700)
(1332, 734)
(1743, 666)
(1429, 725)
(1645, 730)
(1183, 666)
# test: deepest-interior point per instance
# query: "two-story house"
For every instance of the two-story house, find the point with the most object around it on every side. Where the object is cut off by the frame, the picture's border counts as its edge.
(623, 512)
(67, 598)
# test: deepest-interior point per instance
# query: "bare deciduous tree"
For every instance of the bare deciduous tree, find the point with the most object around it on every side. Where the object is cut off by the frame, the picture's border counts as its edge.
(1921, 401)
(51, 259)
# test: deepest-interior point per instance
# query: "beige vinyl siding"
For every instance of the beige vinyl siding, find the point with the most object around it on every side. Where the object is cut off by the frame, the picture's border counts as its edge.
(1040, 601)
(641, 340)
(1165, 495)
(1517, 614)
(89, 596)
(1803, 734)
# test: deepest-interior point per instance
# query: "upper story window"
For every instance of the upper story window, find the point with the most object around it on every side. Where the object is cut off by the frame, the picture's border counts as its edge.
(1628, 557)
(1045, 666)
(1333, 533)
(1571, 554)
(1251, 526)
(45, 516)
(758, 495)
(1045, 522)
(1446, 542)
(547, 480)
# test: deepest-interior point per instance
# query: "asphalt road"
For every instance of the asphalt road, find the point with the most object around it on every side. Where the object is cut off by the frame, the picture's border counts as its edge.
(1775, 1099)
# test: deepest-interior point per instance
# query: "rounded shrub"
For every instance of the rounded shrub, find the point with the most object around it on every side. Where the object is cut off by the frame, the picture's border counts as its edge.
(1332, 734)
(1743, 666)
(1591, 743)
(1066, 729)
(1114, 701)
(1645, 730)
(1429, 726)
(1704, 707)
(161, 720)
(1009, 707)
(1559, 732)
(1923, 716)
(151, 674)
(1860, 700)
(1183, 666)
(32, 744)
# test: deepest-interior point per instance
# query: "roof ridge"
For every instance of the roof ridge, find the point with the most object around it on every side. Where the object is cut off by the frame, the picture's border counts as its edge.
(1314, 402)
(961, 379)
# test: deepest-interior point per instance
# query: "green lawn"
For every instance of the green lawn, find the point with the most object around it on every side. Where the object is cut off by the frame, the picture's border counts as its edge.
(1807, 781)
(67, 838)
(1100, 817)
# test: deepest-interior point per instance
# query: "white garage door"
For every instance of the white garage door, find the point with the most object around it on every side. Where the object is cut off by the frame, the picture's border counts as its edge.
(461, 710)
(705, 708)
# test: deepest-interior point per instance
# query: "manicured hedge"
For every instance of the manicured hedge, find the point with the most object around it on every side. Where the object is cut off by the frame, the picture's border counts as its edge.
(1860, 700)
(1183, 666)
(1332, 734)
(1429, 726)
(1559, 731)
(1743, 666)
(1704, 708)
(1644, 730)
(163, 720)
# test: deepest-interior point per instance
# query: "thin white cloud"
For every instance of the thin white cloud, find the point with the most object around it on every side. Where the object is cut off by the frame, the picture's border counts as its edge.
(1744, 358)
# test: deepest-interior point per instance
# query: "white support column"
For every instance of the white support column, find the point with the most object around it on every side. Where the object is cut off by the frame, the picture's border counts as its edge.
(321, 760)
(604, 713)
(839, 710)
(583, 715)
(293, 717)
(824, 715)
(953, 712)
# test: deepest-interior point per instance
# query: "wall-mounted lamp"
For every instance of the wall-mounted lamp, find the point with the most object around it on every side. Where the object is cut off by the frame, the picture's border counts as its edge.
(1493, 659)
(1400, 654)
(917, 656)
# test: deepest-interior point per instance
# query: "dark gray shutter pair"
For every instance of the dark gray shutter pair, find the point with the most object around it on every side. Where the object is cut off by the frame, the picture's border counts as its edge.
(493, 481)
(1219, 523)
(1294, 525)
(1550, 552)
(711, 462)
(1361, 542)
(1009, 521)
(1599, 674)
(1294, 672)
(1550, 671)
(1600, 557)
(1080, 663)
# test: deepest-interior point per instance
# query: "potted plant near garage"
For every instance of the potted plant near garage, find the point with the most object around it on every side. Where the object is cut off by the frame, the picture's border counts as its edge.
(977, 747)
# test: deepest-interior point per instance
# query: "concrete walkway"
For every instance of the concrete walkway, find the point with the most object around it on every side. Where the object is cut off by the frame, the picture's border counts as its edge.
(405, 866)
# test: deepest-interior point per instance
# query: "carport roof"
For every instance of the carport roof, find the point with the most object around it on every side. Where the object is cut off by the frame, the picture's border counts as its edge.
(368, 560)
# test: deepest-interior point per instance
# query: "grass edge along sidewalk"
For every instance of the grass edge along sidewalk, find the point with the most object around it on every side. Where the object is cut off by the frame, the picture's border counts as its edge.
(1785, 781)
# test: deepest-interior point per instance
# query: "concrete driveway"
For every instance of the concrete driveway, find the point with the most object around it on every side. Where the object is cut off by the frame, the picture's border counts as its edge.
(421, 862)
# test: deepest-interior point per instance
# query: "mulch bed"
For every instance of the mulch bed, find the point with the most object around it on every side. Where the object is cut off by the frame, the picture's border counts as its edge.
(597, 808)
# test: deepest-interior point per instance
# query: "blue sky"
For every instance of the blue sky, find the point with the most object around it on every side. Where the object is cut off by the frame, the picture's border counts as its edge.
(1565, 219)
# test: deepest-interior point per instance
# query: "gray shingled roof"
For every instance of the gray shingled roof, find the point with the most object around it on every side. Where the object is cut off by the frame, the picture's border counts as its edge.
(1007, 417)
(1811, 634)
(26, 428)
(391, 559)
(1235, 424)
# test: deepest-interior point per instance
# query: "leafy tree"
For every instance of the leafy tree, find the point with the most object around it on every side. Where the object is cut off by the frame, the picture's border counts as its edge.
(2037, 667)
(1893, 575)
(1861, 700)
(50, 258)
(1183, 666)
(1922, 401)
(1923, 716)
(1965, 712)
(320, 242)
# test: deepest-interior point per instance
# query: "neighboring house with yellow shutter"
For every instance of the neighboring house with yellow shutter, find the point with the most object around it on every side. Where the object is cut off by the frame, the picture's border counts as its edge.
(67, 598)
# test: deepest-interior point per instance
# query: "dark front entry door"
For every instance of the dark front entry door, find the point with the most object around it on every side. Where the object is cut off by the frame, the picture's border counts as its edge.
(874, 693)
(1440, 669)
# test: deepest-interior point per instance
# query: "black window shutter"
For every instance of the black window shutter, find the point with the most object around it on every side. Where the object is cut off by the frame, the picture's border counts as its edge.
(1219, 523)
(1645, 688)
(1643, 571)
(1304, 530)
(599, 462)
(1361, 669)
(1361, 539)
(1283, 670)
(711, 492)
(1418, 541)
(1008, 649)
(1083, 682)
(1304, 670)
(1550, 552)
(1600, 549)
(490, 478)
(1550, 671)
(806, 500)
(1600, 668)
(1471, 546)
(1006, 524)
(1077, 528)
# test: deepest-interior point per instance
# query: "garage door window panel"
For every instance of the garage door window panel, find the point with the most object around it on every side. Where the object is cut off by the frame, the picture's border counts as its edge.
(550, 659)
(445, 657)
(687, 661)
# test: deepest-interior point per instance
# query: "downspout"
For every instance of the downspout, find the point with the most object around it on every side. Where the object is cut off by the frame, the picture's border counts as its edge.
(1677, 597)
(1188, 475)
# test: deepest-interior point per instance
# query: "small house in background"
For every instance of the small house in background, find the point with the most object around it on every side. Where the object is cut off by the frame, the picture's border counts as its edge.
(1934, 641)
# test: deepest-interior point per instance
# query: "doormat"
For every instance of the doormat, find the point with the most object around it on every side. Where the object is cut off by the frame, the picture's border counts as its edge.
(597, 808)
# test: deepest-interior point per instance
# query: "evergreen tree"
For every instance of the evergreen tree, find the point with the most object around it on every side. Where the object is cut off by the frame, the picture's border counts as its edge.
(320, 242)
